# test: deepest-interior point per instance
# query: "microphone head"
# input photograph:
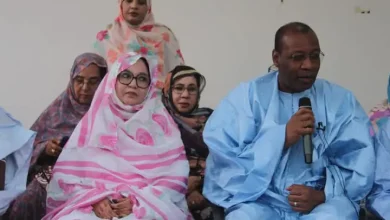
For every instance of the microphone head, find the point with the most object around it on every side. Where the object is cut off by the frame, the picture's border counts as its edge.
(304, 102)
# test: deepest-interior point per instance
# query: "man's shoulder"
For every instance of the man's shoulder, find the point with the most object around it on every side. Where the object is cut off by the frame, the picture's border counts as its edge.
(265, 79)
(331, 88)
(337, 98)
(264, 82)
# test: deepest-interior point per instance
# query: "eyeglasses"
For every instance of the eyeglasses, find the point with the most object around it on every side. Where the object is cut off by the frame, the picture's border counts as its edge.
(81, 81)
(179, 89)
(272, 68)
(315, 57)
(142, 80)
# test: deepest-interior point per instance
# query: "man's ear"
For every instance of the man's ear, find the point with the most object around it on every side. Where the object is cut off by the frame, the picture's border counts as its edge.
(275, 57)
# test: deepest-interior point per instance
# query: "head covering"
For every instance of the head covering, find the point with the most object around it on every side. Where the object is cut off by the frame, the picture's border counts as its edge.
(63, 114)
(149, 38)
(380, 114)
(133, 151)
(204, 111)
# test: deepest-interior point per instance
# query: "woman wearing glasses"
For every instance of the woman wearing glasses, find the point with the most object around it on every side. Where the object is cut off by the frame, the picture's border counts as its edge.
(53, 126)
(182, 90)
(125, 158)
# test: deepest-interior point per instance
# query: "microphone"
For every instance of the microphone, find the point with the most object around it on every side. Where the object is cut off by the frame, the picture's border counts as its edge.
(304, 102)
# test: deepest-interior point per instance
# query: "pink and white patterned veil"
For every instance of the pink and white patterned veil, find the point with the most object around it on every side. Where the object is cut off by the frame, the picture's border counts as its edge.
(119, 150)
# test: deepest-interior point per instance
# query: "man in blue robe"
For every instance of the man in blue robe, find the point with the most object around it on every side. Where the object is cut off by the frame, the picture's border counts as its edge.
(256, 167)
(378, 201)
(16, 146)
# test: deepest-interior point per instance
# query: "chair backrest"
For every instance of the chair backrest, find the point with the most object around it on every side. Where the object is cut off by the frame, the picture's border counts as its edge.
(2, 174)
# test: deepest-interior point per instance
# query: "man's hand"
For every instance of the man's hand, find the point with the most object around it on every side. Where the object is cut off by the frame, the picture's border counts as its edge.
(304, 199)
(103, 210)
(123, 207)
(300, 123)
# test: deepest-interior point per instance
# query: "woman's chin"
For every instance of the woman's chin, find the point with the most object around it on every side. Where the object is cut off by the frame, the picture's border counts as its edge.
(131, 102)
(134, 21)
(183, 110)
(85, 101)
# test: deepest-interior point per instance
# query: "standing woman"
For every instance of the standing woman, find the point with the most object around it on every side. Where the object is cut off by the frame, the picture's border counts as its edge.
(134, 30)
(181, 97)
(55, 123)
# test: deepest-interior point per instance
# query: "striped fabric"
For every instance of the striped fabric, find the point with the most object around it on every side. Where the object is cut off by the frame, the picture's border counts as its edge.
(117, 150)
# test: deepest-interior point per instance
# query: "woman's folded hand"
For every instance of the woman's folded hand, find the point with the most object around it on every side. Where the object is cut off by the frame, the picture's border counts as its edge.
(122, 207)
(103, 210)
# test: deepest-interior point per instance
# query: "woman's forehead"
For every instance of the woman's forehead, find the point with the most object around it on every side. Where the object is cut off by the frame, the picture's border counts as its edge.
(186, 80)
(90, 71)
(138, 67)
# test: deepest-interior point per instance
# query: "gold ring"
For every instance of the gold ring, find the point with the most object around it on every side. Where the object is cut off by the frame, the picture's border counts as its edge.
(52, 150)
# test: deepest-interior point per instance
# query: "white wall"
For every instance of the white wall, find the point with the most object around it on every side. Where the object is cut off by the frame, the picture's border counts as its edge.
(229, 41)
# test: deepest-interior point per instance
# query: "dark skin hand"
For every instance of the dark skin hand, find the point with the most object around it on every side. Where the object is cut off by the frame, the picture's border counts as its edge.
(301, 123)
(195, 200)
(53, 148)
(194, 183)
(305, 198)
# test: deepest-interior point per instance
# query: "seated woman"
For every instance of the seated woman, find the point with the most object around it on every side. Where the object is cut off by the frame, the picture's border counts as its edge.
(181, 97)
(53, 126)
(125, 158)
(380, 114)
(378, 201)
(135, 30)
(16, 149)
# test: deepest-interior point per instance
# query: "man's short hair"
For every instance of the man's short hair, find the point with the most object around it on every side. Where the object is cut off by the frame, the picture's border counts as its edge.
(295, 27)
